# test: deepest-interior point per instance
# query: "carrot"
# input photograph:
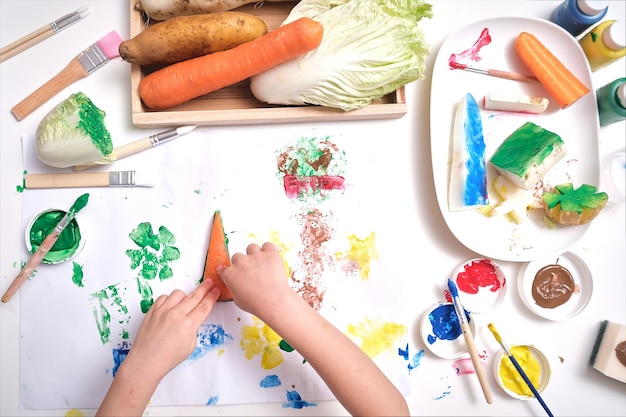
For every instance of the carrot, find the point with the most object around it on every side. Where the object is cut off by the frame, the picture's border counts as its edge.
(553, 75)
(184, 81)
(217, 254)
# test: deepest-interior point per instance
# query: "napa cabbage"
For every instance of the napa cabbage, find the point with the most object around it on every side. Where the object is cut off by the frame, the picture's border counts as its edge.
(370, 48)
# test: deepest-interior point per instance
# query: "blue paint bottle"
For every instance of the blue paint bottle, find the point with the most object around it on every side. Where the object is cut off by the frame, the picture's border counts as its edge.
(612, 102)
(577, 15)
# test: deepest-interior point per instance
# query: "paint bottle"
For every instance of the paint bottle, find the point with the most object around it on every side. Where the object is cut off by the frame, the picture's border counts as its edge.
(612, 101)
(577, 15)
(605, 43)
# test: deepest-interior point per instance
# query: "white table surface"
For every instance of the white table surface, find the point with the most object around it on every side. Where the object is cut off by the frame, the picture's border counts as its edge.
(575, 388)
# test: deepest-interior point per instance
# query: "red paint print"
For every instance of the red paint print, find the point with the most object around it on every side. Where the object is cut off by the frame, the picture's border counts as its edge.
(471, 53)
(296, 185)
(481, 273)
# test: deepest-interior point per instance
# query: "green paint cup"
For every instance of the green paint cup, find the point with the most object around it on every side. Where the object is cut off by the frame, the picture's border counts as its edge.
(69, 244)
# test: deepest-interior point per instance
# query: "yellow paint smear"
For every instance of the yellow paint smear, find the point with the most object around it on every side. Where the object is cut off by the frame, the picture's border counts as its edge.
(376, 336)
(361, 251)
(260, 339)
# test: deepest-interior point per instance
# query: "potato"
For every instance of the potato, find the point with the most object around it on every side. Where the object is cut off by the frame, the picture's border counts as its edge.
(166, 9)
(185, 37)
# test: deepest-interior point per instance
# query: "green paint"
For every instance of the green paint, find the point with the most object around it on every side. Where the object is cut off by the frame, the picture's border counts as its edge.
(20, 188)
(77, 276)
(153, 257)
(79, 204)
(283, 345)
(91, 121)
(145, 291)
(155, 253)
(103, 320)
(113, 300)
(197, 191)
(66, 245)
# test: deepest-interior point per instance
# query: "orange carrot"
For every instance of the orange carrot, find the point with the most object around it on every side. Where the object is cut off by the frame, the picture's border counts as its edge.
(564, 87)
(217, 254)
(184, 81)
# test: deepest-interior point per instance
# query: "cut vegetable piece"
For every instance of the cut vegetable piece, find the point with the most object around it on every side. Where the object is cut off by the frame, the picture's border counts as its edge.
(573, 207)
(562, 85)
(528, 154)
(514, 200)
(468, 175)
(502, 101)
(217, 254)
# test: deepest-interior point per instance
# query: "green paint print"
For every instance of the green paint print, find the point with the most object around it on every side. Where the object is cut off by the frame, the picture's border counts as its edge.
(77, 275)
(145, 290)
(110, 299)
(153, 257)
(310, 168)
(155, 252)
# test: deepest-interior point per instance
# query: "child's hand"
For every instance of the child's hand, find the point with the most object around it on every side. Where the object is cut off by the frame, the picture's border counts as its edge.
(257, 280)
(167, 335)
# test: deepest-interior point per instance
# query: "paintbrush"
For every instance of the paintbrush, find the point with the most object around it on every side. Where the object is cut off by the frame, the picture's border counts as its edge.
(469, 341)
(519, 368)
(81, 66)
(45, 247)
(42, 33)
(84, 179)
(495, 73)
(142, 144)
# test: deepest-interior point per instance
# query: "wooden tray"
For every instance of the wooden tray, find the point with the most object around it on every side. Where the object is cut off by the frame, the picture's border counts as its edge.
(235, 105)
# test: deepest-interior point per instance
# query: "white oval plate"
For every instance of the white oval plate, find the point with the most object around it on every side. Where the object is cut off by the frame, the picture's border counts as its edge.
(498, 237)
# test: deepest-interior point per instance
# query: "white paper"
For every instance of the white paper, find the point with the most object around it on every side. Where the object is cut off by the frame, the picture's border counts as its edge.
(66, 362)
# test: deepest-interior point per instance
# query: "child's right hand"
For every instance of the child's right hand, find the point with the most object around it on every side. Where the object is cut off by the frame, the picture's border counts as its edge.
(257, 280)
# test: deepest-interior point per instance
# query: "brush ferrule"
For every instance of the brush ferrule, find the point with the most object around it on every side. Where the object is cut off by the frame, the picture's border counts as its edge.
(122, 178)
(65, 21)
(92, 58)
(159, 138)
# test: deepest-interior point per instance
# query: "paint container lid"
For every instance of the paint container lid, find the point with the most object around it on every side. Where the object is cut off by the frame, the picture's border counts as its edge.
(533, 361)
(70, 242)
(441, 332)
(614, 36)
(481, 284)
(547, 290)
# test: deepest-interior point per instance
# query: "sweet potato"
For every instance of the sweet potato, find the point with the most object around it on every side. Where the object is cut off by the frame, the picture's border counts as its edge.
(166, 9)
(185, 37)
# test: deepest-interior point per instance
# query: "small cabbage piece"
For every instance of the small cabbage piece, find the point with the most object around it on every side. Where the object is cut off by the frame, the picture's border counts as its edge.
(370, 48)
(73, 133)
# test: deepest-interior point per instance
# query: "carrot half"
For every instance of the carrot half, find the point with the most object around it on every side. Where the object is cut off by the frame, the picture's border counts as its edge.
(562, 85)
(186, 80)
(217, 254)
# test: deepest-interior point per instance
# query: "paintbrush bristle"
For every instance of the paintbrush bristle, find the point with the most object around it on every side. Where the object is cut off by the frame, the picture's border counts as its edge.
(110, 44)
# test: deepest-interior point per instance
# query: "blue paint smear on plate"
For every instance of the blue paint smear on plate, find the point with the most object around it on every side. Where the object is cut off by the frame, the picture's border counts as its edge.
(476, 180)
(270, 381)
(294, 400)
(210, 337)
(212, 400)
